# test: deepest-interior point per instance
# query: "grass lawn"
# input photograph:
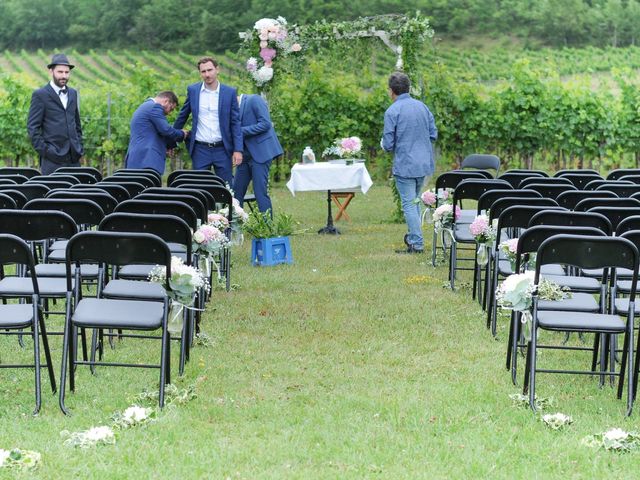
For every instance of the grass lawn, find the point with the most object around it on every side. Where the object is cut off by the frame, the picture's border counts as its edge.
(354, 362)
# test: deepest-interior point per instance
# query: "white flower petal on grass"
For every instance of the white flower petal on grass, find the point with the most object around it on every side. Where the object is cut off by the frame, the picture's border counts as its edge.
(615, 435)
(4, 454)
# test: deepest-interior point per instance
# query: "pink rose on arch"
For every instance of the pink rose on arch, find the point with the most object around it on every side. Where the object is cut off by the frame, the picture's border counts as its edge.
(267, 54)
(429, 198)
(296, 47)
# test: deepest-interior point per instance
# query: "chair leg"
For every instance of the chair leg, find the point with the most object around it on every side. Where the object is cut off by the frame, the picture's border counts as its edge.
(532, 370)
(36, 362)
(623, 366)
(47, 351)
(66, 357)
(452, 265)
(94, 347)
(434, 248)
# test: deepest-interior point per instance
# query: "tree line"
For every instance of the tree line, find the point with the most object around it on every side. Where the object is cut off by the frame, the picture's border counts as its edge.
(206, 25)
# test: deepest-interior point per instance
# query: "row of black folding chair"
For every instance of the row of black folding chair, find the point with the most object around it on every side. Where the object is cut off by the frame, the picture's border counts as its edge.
(204, 175)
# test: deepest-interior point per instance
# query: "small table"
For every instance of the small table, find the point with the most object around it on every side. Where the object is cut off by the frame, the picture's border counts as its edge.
(329, 176)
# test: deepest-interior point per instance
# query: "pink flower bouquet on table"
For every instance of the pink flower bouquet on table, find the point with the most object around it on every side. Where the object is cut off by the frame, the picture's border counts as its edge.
(348, 147)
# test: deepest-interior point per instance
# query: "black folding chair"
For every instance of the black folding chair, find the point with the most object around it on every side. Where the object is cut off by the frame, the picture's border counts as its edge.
(191, 173)
(116, 191)
(580, 180)
(514, 178)
(24, 171)
(16, 317)
(116, 249)
(544, 181)
(585, 252)
(618, 173)
(548, 190)
(589, 203)
(94, 172)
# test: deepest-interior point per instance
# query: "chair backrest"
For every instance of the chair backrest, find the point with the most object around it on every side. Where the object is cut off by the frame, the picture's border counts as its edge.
(166, 207)
(621, 172)
(145, 171)
(116, 191)
(7, 203)
(94, 172)
(31, 190)
(14, 250)
(514, 178)
(518, 216)
(531, 238)
(7, 181)
(117, 248)
(452, 178)
(50, 182)
(580, 180)
(36, 225)
(595, 184)
(24, 171)
(540, 173)
(195, 203)
(15, 177)
(589, 203)
(133, 188)
(221, 195)
(629, 223)
(550, 190)
(544, 181)
(481, 162)
(106, 202)
(196, 179)
(80, 177)
(635, 178)
(85, 213)
(570, 218)
(18, 197)
(570, 198)
(487, 199)
(205, 197)
(168, 227)
(146, 180)
(59, 177)
(472, 189)
(620, 189)
(589, 251)
(199, 173)
(616, 214)
(577, 171)
(533, 204)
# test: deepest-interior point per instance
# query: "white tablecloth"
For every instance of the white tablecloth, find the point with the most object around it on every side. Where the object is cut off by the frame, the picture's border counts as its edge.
(328, 176)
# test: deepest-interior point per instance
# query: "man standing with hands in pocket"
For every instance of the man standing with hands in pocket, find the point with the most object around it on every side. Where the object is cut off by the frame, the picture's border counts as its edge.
(216, 136)
(54, 119)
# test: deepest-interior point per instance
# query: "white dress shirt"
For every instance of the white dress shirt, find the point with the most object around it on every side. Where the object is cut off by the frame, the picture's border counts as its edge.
(64, 97)
(208, 129)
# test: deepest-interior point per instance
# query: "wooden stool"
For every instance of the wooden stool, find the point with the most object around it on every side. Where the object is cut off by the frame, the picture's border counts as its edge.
(342, 207)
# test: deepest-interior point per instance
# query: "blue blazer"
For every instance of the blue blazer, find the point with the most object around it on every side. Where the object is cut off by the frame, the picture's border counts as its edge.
(150, 135)
(260, 139)
(228, 115)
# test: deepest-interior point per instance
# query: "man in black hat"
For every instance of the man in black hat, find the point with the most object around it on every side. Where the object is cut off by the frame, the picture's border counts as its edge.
(54, 119)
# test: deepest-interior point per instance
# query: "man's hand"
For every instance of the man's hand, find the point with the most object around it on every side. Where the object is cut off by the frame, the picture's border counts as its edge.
(236, 159)
(186, 133)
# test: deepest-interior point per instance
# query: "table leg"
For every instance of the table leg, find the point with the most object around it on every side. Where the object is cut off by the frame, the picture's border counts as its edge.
(342, 207)
(329, 228)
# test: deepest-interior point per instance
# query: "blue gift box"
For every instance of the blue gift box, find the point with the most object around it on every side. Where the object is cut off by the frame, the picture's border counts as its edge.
(270, 251)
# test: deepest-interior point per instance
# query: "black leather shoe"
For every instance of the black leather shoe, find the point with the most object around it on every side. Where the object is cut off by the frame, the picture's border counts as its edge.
(406, 242)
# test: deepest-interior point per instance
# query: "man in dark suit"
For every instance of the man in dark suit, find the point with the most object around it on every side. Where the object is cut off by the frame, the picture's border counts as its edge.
(216, 137)
(151, 133)
(261, 146)
(54, 119)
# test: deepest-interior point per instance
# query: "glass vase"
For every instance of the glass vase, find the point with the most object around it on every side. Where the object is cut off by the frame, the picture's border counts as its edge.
(204, 265)
(175, 320)
(482, 255)
(237, 237)
(427, 216)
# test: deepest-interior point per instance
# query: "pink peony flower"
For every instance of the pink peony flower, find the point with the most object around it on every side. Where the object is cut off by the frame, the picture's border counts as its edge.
(513, 245)
(268, 63)
(479, 226)
(296, 47)
(429, 198)
(263, 44)
(272, 35)
(263, 36)
(445, 194)
(267, 54)
(458, 212)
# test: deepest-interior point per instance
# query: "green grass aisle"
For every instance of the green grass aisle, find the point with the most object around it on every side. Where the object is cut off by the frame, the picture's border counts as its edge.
(354, 362)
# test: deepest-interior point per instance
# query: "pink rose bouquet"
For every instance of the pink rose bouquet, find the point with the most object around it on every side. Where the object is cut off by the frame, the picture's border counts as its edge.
(443, 216)
(482, 231)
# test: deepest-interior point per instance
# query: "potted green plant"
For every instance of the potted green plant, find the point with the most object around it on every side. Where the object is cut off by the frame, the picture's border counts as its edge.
(270, 244)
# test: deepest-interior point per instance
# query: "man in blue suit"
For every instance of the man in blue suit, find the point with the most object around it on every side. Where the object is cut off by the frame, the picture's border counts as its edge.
(216, 137)
(261, 146)
(151, 133)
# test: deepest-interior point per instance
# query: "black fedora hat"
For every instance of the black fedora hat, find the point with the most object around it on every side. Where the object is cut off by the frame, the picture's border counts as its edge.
(60, 59)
